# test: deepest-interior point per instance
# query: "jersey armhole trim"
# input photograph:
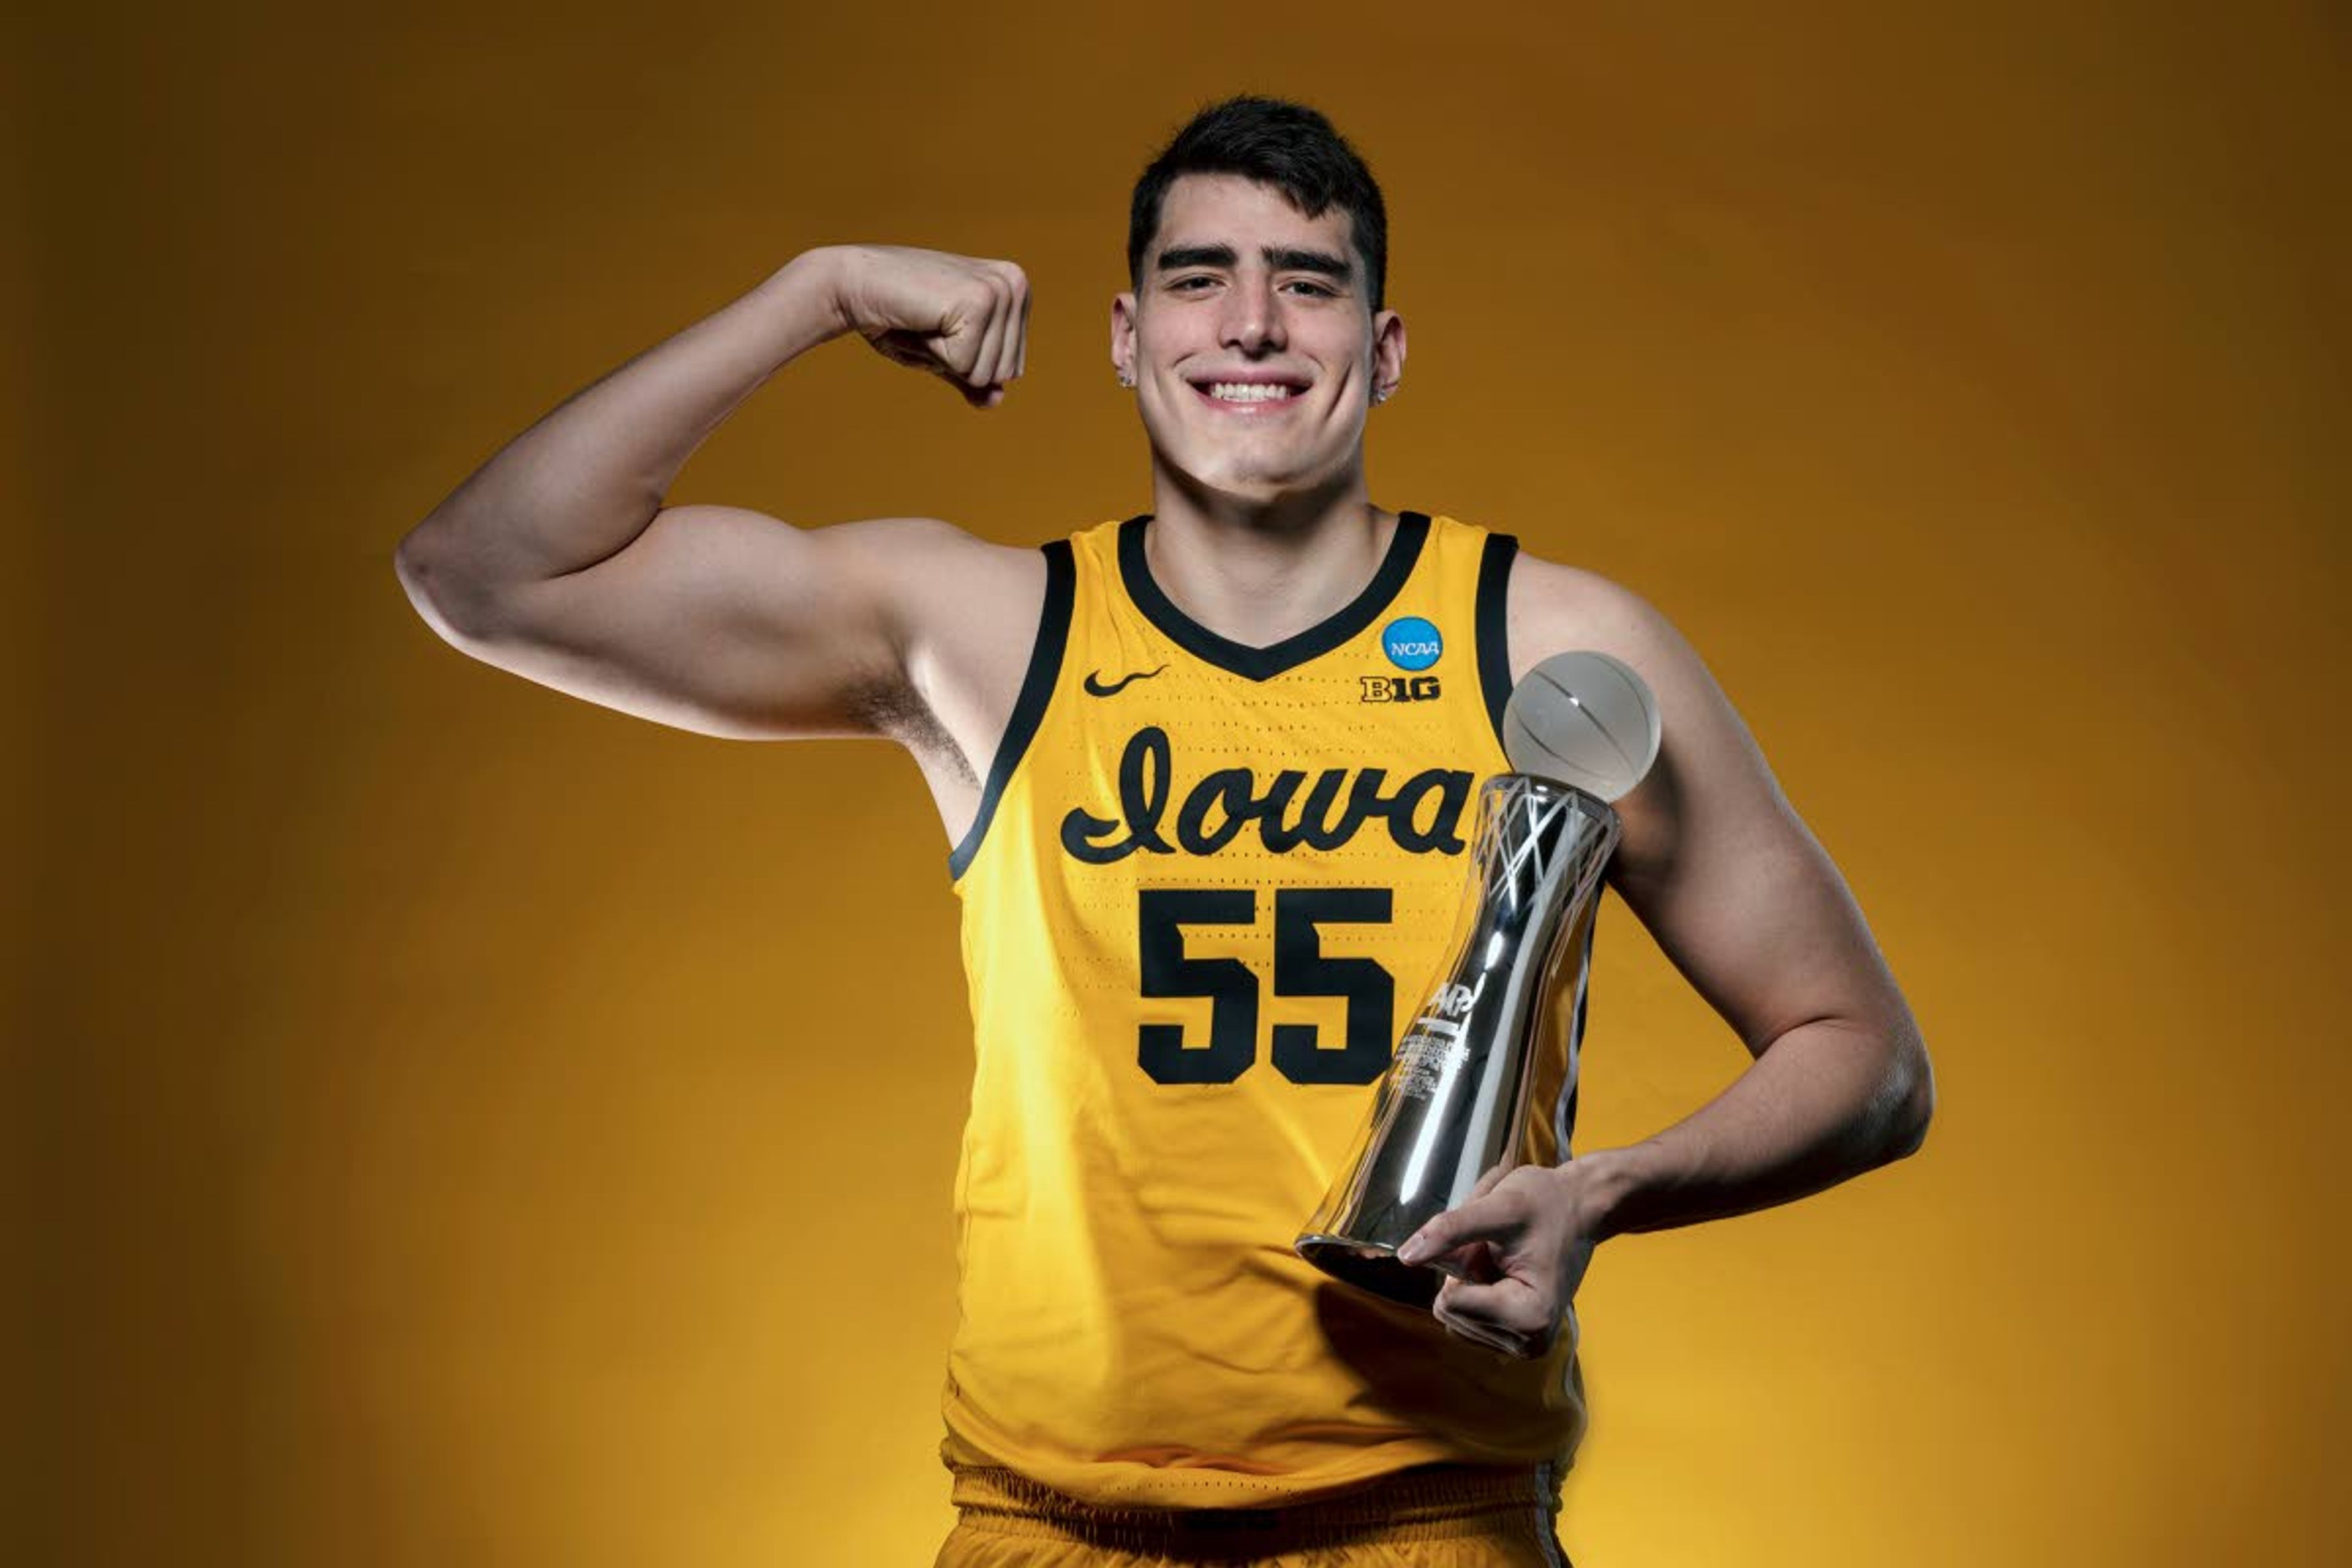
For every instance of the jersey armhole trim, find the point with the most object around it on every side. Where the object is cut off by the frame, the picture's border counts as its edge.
(1492, 627)
(1029, 707)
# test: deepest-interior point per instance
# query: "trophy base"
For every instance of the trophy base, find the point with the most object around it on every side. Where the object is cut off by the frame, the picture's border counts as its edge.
(1372, 1267)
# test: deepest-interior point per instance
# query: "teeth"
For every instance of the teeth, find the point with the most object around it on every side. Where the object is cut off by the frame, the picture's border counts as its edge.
(1247, 391)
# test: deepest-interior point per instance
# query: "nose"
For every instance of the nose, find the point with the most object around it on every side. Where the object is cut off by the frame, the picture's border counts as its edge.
(1252, 315)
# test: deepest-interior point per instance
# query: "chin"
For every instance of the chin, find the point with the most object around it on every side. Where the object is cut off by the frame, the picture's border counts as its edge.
(1253, 492)
(1242, 482)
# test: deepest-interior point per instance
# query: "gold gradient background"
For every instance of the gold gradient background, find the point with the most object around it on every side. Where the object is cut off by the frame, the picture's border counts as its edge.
(462, 1126)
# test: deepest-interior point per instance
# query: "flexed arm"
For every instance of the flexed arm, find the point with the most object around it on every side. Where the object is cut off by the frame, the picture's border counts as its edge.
(557, 561)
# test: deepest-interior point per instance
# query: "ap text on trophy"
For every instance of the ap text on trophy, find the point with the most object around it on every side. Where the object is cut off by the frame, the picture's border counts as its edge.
(1583, 730)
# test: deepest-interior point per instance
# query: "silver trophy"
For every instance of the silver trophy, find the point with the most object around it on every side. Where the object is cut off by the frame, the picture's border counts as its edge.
(1453, 1104)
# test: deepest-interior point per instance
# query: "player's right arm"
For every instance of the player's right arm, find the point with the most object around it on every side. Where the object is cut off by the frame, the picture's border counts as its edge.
(557, 561)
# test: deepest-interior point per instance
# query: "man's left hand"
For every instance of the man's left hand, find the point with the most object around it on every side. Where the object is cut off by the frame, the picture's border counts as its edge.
(1515, 1252)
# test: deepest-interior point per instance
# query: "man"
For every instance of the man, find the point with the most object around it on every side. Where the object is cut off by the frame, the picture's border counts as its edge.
(1201, 870)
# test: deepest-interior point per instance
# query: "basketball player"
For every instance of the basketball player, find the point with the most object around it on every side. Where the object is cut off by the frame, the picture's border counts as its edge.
(1205, 773)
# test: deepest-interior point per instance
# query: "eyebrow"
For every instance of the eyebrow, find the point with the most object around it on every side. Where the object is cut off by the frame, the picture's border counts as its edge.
(1282, 259)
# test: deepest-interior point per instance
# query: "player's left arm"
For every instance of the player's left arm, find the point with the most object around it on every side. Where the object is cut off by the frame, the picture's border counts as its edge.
(1719, 868)
(1739, 894)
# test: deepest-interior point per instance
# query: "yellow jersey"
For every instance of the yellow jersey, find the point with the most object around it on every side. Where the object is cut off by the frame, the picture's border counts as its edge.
(1206, 884)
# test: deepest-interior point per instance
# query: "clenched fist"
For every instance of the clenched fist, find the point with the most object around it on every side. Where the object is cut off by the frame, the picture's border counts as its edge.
(961, 318)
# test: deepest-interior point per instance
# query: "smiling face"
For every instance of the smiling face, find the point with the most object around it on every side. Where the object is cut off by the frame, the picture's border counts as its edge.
(1250, 339)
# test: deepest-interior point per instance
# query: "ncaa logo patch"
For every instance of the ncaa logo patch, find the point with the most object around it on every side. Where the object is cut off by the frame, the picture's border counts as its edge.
(1412, 642)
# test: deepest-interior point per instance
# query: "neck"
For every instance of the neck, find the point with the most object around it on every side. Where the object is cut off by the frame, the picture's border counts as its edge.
(1257, 572)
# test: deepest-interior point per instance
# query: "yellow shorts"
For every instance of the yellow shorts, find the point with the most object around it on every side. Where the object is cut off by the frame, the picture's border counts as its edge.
(1432, 1516)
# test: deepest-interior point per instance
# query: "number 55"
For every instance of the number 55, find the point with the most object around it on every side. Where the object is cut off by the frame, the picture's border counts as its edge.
(1299, 970)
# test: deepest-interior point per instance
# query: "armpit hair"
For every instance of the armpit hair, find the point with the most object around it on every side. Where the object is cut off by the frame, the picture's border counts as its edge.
(898, 710)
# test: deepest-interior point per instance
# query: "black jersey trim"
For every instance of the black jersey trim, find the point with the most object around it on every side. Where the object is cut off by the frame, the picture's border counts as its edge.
(1261, 663)
(1493, 621)
(1029, 707)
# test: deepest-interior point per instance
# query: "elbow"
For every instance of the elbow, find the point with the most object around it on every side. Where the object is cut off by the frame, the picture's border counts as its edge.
(1911, 1130)
(1911, 1101)
(408, 565)
(459, 608)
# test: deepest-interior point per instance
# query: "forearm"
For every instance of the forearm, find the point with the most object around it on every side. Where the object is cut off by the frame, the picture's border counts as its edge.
(587, 479)
(1822, 1103)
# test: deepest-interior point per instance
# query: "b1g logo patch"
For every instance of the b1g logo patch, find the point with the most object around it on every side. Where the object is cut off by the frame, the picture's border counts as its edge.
(1412, 643)
(1398, 688)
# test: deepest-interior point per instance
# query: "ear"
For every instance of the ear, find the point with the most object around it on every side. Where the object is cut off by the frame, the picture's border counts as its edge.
(1388, 350)
(1122, 334)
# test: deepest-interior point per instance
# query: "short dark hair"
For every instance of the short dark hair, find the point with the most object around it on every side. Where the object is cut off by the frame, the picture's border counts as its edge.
(1286, 145)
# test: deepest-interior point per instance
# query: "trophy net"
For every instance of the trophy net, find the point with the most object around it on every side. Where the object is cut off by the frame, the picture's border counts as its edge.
(1454, 1102)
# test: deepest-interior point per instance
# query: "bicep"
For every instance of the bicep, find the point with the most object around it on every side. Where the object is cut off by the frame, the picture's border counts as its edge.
(727, 622)
(1714, 862)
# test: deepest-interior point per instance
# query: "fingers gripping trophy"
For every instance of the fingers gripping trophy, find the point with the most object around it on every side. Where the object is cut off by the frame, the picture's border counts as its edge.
(1581, 731)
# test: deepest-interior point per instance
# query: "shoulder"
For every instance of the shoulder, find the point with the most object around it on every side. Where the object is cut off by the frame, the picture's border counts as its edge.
(1553, 607)
(945, 583)
(921, 548)
(970, 617)
(1711, 787)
